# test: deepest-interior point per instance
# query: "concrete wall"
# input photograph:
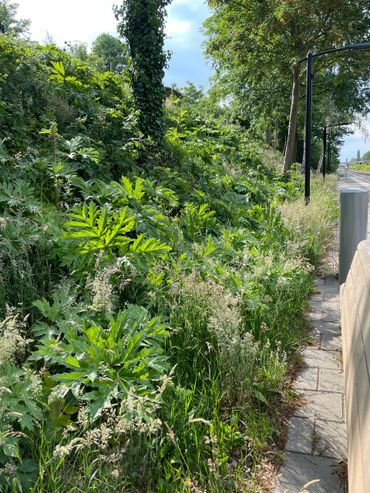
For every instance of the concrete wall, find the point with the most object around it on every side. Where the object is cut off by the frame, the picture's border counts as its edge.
(356, 357)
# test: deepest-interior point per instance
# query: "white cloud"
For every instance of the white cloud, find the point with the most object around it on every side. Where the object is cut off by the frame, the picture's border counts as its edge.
(176, 27)
(84, 20)
(68, 20)
(193, 5)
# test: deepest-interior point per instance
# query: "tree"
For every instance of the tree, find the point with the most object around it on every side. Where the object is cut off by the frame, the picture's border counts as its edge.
(265, 39)
(77, 49)
(142, 24)
(366, 156)
(109, 53)
(358, 156)
(8, 23)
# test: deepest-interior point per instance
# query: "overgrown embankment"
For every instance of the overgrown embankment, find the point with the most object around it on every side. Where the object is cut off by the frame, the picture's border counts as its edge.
(361, 167)
(151, 302)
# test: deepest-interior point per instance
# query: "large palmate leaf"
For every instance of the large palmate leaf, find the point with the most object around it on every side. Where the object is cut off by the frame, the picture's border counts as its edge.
(107, 362)
(97, 228)
(92, 229)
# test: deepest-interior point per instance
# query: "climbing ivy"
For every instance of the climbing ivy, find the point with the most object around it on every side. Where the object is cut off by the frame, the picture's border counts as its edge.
(141, 22)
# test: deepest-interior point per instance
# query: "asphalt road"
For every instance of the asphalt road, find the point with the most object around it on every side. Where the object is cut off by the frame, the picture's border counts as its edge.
(354, 179)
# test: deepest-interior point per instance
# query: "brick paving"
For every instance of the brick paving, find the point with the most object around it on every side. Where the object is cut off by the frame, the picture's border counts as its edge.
(317, 433)
(317, 437)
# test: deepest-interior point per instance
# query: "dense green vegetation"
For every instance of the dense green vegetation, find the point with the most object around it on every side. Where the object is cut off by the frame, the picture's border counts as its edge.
(151, 298)
(361, 163)
(361, 167)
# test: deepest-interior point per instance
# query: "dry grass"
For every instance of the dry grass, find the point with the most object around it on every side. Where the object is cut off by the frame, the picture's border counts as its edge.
(316, 221)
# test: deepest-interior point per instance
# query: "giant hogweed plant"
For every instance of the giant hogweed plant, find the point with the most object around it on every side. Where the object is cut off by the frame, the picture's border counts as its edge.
(21, 407)
(99, 234)
(102, 363)
(21, 412)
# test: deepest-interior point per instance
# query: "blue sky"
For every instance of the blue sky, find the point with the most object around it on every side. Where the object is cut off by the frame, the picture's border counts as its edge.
(187, 61)
(358, 141)
(84, 20)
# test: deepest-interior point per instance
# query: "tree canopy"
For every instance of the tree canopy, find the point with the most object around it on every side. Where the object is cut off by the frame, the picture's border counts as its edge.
(109, 53)
(256, 46)
(9, 24)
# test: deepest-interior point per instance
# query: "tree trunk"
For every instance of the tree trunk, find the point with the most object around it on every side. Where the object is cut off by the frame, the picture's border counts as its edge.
(321, 160)
(268, 136)
(276, 136)
(290, 149)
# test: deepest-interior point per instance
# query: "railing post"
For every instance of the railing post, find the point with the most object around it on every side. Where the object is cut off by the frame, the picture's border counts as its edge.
(353, 226)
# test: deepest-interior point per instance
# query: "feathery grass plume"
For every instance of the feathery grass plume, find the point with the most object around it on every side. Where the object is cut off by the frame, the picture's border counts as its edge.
(13, 343)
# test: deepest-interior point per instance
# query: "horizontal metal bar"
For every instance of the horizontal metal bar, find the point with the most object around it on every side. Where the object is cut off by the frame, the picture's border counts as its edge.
(337, 125)
(353, 47)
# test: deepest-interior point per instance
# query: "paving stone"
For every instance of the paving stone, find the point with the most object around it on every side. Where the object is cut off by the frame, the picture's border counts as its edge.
(319, 283)
(322, 405)
(282, 488)
(331, 295)
(331, 282)
(331, 342)
(321, 384)
(314, 316)
(330, 328)
(317, 358)
(316, 305)
(330, 439)
(300, 469)
(307, 379)
(331, 380)
(316, 335)
(331, 286)
(319, 297)
(300, 435)
(332, 305)
(330, 316)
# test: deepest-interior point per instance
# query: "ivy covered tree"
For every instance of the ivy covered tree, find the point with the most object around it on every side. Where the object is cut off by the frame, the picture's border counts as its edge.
(141, 22)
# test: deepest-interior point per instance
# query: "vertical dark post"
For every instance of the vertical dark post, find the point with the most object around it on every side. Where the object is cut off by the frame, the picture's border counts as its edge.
(329, 156)
(308, 128)
(325, 140)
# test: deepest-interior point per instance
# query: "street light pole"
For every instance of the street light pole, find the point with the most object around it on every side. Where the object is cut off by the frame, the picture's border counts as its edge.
(308, 127)
(325, 141)
(308, 119)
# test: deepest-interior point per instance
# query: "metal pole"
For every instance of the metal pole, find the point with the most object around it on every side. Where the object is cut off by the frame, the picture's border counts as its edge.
(353, 226)
(308, 128)
(325, 140)
(309, 59)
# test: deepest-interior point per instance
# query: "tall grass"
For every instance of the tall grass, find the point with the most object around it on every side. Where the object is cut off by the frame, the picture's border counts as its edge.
(313, 226)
